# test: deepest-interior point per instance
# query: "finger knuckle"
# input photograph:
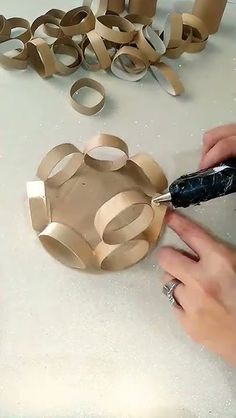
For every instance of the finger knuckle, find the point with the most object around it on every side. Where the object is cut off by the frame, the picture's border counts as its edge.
(207, 137)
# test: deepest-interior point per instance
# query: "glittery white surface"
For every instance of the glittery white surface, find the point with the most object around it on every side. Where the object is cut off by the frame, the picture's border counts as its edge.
(77, 346)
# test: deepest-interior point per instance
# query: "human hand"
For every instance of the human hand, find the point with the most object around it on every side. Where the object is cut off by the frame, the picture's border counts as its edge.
(219, 144)
(207, 293)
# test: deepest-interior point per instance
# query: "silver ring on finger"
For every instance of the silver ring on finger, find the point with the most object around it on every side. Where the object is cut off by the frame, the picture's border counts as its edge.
(169, 290)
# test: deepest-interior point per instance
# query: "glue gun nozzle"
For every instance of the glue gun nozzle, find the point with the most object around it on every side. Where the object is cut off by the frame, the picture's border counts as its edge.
(162, 198)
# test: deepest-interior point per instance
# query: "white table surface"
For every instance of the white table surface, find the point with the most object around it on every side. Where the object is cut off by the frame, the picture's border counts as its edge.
(74, 345)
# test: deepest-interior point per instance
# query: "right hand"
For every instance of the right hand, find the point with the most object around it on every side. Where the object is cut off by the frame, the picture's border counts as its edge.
(219, 144)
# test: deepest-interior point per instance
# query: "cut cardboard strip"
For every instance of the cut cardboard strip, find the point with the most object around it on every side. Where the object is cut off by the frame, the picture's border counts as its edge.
(150, 44)
(19, 61)
(175, 53)
(100, 50)
(195, 46)
(115, 207)
(53, 158)
(110, 141)
(199, 29)
(18, 22)
(79, 107)
(120, 257)
(104, 25)
(139, 19)
(144, 8)
(41, 57)
(50, 29)
(152, 171)
(152, 233)
(78, 21)
(67, 246)
(167, 78)
(173, 30)
(39, 205)
(5, 30)
(67, 46)
(44, 20)
(136, 58)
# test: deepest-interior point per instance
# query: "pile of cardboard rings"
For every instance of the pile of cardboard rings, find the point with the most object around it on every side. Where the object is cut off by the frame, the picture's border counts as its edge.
(110, 229)
(128, 52)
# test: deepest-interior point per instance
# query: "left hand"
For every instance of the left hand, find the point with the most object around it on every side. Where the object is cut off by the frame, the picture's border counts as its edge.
(207, 292)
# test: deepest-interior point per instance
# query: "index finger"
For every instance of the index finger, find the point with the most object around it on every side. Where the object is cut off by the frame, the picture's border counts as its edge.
(215, 135)
(189, 232)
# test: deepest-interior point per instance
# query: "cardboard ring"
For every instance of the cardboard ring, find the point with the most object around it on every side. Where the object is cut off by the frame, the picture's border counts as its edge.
(152, 47)
(43, 20)
(67, 246)
(51, 30)
(198, 27)
(196, 46)
(78, 21)
(53, 158)
(5, 30)
(104, 140)
(39, 205)
(67, 46)
(167, 78)
(41, 57)
(120, 257)
(19, 61)
(152, 171)
(172, 36)
(115, 207)
(79, 107)
(152, 233)
(100, 50)
(139, 19)
(175, 53)
(18, 22)
(139, 61)
(104, 25)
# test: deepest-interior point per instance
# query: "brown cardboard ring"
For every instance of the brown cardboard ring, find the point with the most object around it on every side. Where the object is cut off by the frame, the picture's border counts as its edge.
(145, 47)
(96, 66)
(139, 19)
(79, 107)
(78, 21)
(100, 50)
(116, 6)
(115, 207)
(67, 46)
(138, 60)
(43, 20)
(67, 246)
(196, 47)
(18, 22)
(104, 24)
(20, 61)
(39, 205)
(198, 27)
(53, 158)
(152, 171)
(51, 30)
(173, 30)
(167, 78)
(152, 233)
(41, 57)
(105, 140)
(174, 53)
(120, 257)
(5, 29)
